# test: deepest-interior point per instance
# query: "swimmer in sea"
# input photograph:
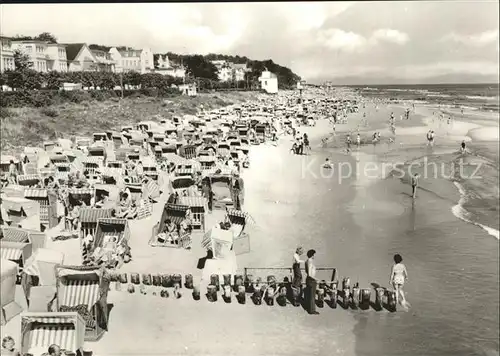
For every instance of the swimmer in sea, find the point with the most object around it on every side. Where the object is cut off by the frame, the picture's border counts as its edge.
(399, 276)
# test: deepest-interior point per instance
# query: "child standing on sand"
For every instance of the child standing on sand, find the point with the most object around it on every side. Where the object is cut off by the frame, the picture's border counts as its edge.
(399, 276)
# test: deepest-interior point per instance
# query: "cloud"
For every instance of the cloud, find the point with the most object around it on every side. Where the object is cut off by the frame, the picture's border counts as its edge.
(480, 39)
(390, 35)
(315, 39)
(338, 39)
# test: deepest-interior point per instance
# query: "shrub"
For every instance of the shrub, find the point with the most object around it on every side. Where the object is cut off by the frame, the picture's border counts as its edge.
(50, 112)
(4, 113)
(75, 96)
(149, 92)
(102, 95)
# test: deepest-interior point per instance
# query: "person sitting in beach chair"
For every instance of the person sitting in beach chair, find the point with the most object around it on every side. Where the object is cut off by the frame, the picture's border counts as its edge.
(73, 217)
(52, 183)
(131, 213)
(88, 241)
(139, 170)
(226, 224)
(124, 205)
(106, 253)
(169, 233)
(185, 227)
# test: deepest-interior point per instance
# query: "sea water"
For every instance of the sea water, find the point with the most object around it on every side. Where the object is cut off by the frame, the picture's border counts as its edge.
(357, 225)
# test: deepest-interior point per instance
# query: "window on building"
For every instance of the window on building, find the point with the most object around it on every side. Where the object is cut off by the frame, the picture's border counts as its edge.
(29, 49)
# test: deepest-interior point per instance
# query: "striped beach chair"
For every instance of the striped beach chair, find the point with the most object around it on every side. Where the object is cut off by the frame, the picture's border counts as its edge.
(197, 205)
(42, 197)
(144, 209)
(28, 180)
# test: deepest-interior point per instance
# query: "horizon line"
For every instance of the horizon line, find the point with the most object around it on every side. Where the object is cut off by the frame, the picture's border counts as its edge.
(368, 85)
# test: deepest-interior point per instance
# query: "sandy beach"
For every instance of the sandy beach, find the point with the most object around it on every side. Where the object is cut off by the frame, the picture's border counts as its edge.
(354, 221)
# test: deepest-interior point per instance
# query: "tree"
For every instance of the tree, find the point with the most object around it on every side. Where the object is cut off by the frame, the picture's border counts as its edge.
(13, 79)
(53, 80)
(22, 38)
(22, 61)
(132, 78)
(32, 79)
(3, 80)
(46, 37)
(108, 81)
(199, 67)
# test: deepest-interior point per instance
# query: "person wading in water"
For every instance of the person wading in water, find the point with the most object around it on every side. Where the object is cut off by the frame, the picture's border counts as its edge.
(399, 276)
(414, 185)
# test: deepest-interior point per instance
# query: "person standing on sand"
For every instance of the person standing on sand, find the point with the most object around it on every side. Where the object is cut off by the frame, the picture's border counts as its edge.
(297, 273)
(12, 177)
(414, 185)
(306, 143)
(348, 143)
(310, 292)
(399, 276)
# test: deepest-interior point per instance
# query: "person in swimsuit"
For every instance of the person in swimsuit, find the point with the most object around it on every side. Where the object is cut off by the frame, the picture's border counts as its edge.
(414, 184)
(463, 147)
(348, 143)
(399, 276)
(297, 273)
(311, 283)
(306, 143)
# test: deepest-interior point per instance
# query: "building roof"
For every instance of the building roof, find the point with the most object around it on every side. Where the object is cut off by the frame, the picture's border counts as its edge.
(29, 41)
(268, 76)
(72, 50)
(131, 53)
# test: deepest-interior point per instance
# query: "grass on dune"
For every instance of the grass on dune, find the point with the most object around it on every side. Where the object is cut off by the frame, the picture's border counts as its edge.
(31, 126)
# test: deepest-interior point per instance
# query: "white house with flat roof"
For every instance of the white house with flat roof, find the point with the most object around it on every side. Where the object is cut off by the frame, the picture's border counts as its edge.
(269, 82)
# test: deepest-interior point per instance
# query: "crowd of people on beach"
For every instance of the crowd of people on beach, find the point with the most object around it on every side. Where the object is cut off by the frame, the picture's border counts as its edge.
(113, 253)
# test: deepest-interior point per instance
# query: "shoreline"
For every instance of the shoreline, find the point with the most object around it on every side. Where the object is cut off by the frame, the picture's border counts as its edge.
(277, 197)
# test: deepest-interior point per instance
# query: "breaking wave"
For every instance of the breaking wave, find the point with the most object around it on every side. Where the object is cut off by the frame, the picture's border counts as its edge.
(459, 211)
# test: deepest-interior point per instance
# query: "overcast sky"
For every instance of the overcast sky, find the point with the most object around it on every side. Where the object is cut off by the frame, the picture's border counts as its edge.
(393, 41)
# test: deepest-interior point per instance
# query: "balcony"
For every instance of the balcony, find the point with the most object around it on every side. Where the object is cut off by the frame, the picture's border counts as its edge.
(7, 49)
